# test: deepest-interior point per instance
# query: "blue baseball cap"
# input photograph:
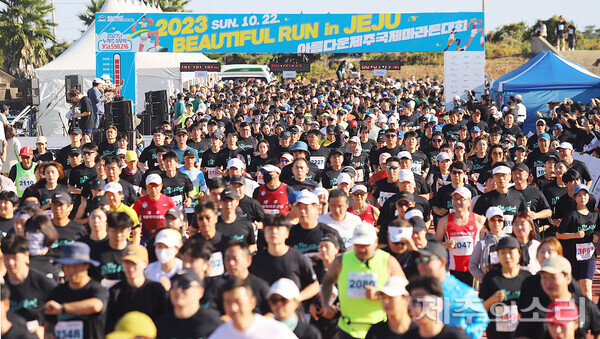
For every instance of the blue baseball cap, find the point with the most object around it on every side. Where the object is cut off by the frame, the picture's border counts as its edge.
(300, 146)
(293, 197)
(475, 129)
(557, 126)
(76, 253)
(400, 134)
(347, 107)
(437, 128)
(544, 136)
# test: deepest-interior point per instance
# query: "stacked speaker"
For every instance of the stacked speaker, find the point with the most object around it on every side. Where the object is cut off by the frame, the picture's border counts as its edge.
(30, 88)
(119, 114)
(73, 82)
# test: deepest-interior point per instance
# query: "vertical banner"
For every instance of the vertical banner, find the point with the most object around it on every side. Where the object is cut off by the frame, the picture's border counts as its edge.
(463, 71)
(121, 68)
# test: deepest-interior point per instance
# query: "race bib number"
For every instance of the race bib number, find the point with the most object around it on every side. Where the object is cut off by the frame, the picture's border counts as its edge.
(190, 210)
(539, 171)
(108, 283)
(69, 330)
(178, 200)
(319, 161)
(508, 224)
(360, 175)
(464, 245)
(507, 317)
(416, 168)
(384, 196)
(357, 281)
(271, 211)
(584, 251)
(212, 172)
(25, 182)
(494, 258)
(216, 261)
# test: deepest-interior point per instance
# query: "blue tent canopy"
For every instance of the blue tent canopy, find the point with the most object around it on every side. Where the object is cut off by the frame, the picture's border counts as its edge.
(546, 77)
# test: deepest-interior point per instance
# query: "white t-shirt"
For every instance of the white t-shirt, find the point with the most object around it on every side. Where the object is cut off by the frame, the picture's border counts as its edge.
(344, 227)
(261, 327)
(154, 272)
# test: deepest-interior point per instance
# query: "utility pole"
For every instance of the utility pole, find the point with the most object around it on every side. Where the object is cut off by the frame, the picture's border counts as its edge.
(483, 5)
(53, 20)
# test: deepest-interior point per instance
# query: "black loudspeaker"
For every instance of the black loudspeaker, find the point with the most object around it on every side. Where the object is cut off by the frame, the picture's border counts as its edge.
(157, 103)
(145, 126)
(119, 114)
(73, 82)
(31, 91)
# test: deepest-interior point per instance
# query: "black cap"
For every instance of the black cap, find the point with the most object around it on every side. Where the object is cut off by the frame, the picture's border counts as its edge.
(285, 135)
(293, 129)
(229, 193)
(406, 196)
(330, 129)
(176, 212)
(98, 201)
(339, 129)
(5, 107)
(521, 166)
(337, 151)
(418, 224)
(74, 150)
(380, 138)
(189, 153)
(189, 276)
(549, 156)
(434, 248)
(237, 179)
(508, 242)
(349, 170)
(76, 130)
(220, 124)
(62, 197)
(181, 130)
(218, 135)
(332, 240)
(97, 184)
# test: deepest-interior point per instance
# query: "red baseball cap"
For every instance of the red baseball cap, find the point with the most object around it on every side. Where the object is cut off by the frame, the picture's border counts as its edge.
(353, 124)
(26, 151)
(562, 312)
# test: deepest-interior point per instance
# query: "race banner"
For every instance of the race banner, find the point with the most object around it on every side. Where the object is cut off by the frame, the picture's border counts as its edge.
(289, 33)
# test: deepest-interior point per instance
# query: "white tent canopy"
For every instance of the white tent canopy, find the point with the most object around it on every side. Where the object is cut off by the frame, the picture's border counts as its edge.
(154, 71)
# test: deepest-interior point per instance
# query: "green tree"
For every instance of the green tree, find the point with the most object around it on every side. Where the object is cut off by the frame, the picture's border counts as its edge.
(59, 47)
(87, 17)
(25, 29)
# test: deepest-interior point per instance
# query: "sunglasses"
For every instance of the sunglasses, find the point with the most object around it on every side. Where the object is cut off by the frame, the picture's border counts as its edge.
(152, 185)
(203, 217)
(182, 284)
(285, 160)
(497, 219)
(425, 260)
(276, 300)
(392, 167)
(88, 152)
(403, 203)
(390, 135)
(359, 193)
(457, 172)
(437, 140)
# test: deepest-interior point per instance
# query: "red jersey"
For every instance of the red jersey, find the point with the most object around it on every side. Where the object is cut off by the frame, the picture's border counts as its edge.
(274, 202)
(152, 212)
(466, 236)
(367, 216)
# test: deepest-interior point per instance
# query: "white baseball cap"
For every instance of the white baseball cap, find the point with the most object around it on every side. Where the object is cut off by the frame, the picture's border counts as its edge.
(364, 234)
(307, 197)
(271, 168)
(169, 237)
(235, 162)
(463, 192)
(456, 97)
(443, 156)
(494, 211)
(406, 175)
(154, 179)
(121, 151)
(501, 170)
(395, 286)
(113, 187)
(321, 191)
(405, 154)
(565, 145)
(383, 157)
(286, 288)
(344, 177)
(357, 188)
(415, 212)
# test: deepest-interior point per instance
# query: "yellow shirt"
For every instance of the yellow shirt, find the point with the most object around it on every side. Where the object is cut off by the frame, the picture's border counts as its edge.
(130, 212)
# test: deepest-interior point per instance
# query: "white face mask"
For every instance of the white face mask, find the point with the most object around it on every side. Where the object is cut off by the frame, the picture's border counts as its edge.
(165, 255)
(36, 243)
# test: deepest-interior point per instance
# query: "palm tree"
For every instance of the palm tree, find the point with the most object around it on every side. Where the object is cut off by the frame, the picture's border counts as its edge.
(24, 32)
(95, 6)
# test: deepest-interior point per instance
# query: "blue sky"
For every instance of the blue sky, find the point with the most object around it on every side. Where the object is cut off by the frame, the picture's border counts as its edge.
(498, 12)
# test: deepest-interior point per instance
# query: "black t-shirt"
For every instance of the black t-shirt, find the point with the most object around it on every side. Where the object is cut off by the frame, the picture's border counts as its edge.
(67, 235)
(62, 156)
(6, 225)
(256, 164)
(219, 241)
(494, 281)
(513, 131)
(306, 331)
(329, 178)
(420, 162)
(18, 331)
(93, 324)
(450, 130)
(134, 179)
(319, 157)
(448, 332)
(406, 260)
(111, 262)
(511, 203)
(388, 213)
(241, 229)
(210, 159)
(29, 297)
(292, 265)
(46, 157)
(443, 197)
(150, 299)
(478, 163)
(81, 174)
(385, 190)
(566, 203)
(252, 209)
(573, 222)
(535, 162)
(200, 325)
(314, 174)
(553, 192)
(381, 330)
(104, 148)
(149, 158)
(46, 265)
(201, 146)
(85, 105)
(44, 195)
(582, 168)
(307, 241)
(177, 187)
(227, 154)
